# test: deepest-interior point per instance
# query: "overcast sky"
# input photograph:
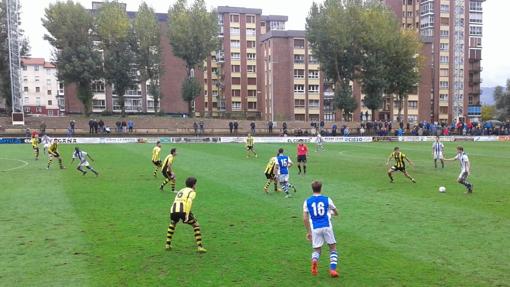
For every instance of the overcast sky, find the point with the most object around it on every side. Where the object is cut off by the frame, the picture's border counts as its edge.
(496, 43)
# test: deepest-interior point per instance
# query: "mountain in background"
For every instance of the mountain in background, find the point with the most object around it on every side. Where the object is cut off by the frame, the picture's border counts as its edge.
(487, 96)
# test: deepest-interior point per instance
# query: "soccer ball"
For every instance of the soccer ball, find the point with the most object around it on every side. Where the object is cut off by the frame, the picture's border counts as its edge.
(442, 189)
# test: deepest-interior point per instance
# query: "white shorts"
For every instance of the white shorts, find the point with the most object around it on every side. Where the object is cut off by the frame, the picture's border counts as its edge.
(84, 163)
(46, 146)
(321, 235)
(438, 155)
(283, 177)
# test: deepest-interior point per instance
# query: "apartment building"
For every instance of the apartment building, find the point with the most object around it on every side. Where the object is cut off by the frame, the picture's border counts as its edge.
(293, 83)
(451, 32)
(233, 74)
(137, 98)
(42, 93)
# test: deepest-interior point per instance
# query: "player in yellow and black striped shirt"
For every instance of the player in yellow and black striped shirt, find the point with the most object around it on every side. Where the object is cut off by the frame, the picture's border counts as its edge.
(399, 165)
(181, 210)
(35, 145)
(156, 160)
(167, 170)
(249, 146)
(53, 153)
(269, 172)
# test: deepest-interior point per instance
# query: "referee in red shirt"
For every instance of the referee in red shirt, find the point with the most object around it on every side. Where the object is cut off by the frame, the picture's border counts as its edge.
(302, 152)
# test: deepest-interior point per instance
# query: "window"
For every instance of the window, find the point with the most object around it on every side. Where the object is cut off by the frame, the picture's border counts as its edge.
(250, 19)
(299, 59)
(50, 113)
(236, 106)
(24, 68)
(299, 73)
(443, 84)
(49, 92)
(412, 104)
(101, 104)
(252, 105)
(299, 43)
(236, 69)
(252, 93)
(252, 81)
(25, 101)
(299, 117)
(25, 79)
(236, 93)
(251, 69)
(251, 32)
(37, 89)
(444, 33)
(276, 25)
(37, 78)
(475, 18)
(299, 103)
(299, 88)
(443, 110)
(475, 30)
(38, 101)
(445, 21)
(38, 109)
(236, 44)
(236, 81)
(235, 31)
(36, 68)
(251, 44)
(314, 104)
(98, 87)
(312, 60)
(25, 89)
(475, 6)
(234, 18)
(443, 59)
(251, 56)
(313, 88)
(235, 56)
(443, 46)
(443, 97)
(313, 74)
(50, 102)
(443, 72)
(445, 8)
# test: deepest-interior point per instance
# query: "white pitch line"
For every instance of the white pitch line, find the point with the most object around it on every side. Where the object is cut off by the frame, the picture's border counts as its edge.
(24, 163)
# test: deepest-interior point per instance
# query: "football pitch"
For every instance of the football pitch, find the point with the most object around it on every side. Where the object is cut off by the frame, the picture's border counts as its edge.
(59, 228)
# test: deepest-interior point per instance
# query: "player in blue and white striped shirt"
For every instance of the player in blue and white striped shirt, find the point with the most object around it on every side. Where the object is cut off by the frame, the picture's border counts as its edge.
(437, 152)
(317, 211)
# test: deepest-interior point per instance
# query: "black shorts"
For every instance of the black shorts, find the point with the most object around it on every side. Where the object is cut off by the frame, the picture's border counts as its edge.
(396, 168)
(55, 154)
(181, 216)
(167, 174)
(301, 158)
(270, 175)
(157, 163)
(250, 147)
(35, 148)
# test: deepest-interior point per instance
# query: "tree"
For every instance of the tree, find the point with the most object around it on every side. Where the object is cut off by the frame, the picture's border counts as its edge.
(502, 99)
(148, 51)
(379, 27)
(193, 35)
(404, 64)
(113, 28)
(488, 113)
(191, 88)
(333, 31)
(69, 26)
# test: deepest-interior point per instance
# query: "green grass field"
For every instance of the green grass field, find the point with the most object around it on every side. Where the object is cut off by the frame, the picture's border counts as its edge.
(59, 228)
